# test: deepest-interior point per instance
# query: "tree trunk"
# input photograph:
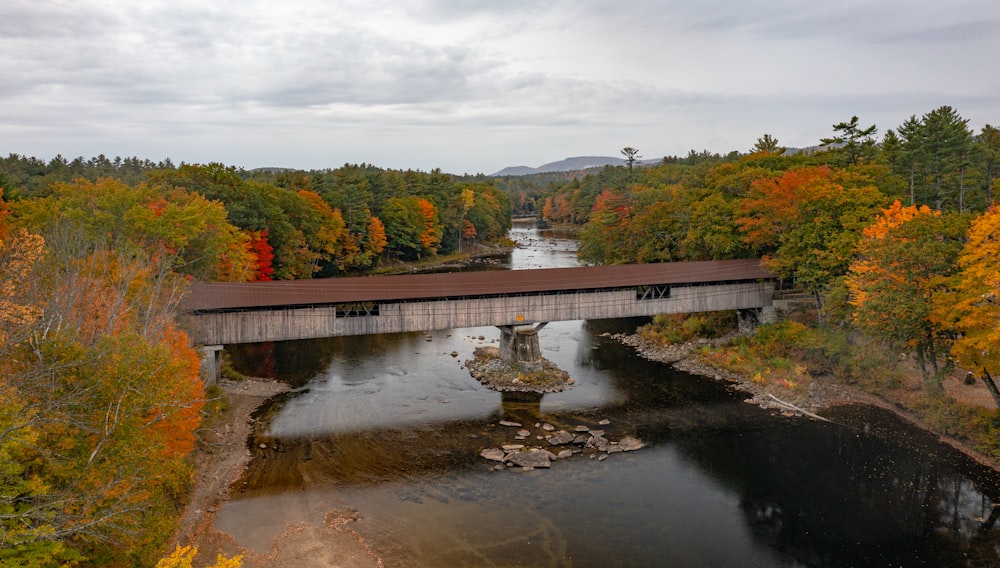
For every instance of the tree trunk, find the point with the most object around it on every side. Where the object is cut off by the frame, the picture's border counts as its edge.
(938, 199)
(989, 185)
(819, 307)
(961, 190)
(913, 197)
(988, 380)
(923, 363)
(932, 351)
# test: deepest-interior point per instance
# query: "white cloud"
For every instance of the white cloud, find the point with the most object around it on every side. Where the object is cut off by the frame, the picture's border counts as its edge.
(475, 85)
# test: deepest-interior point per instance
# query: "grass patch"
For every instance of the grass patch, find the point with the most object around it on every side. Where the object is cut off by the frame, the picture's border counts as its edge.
(667, 329)
(977, 426)
(215, 401)
(790, 355)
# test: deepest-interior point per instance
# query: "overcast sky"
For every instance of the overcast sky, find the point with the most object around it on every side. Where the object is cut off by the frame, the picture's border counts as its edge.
(472, 86)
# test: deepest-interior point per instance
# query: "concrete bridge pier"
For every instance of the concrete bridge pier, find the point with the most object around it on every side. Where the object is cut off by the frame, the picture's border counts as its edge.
(519, 344)
(748, 319)
(211, 363)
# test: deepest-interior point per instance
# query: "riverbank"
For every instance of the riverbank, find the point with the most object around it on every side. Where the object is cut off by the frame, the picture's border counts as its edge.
(219, 461)
(825, 395)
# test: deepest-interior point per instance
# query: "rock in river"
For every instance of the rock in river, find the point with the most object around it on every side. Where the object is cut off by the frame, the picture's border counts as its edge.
(495, 454)
(561, 438)
(532, 458)
(629, 443)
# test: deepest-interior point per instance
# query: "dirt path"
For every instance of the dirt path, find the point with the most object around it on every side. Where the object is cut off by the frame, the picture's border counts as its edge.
(219, 463)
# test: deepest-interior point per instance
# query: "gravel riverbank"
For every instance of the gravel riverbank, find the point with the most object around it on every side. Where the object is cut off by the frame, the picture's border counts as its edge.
(823, 395)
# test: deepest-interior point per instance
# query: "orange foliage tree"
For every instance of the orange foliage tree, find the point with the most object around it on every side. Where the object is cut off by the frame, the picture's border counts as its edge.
(430, 234)
(411, 226)
(903, 260)
(608, 236)
(807, 222)
(377, 240)
(19, 251)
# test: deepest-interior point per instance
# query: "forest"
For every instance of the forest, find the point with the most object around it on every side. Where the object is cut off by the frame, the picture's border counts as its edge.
(892, 237)
(100, 393)
(887, 235)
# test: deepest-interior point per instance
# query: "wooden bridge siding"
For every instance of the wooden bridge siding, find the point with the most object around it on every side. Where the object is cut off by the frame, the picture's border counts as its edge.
(312, 322)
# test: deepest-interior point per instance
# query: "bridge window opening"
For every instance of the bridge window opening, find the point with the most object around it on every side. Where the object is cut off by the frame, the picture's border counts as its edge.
(356, 309)
(655, 292)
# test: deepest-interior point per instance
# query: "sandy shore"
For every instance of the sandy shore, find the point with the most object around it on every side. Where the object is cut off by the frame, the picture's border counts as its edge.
(219, 462)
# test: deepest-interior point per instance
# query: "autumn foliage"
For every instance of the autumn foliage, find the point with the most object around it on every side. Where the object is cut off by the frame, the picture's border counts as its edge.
(100, 397)
(183, 557)
(808, 221)
(100, 393)
(972, 305)
(263, 255)
(903, 261)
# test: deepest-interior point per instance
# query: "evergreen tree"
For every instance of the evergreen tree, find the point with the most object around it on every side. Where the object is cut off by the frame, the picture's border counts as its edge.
(855, 143)
(911, 136)
(988, 143)
(767, 144)
(947, 145)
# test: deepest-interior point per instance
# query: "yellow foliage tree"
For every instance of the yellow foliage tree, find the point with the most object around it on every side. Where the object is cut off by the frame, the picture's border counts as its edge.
(183, 557)
(972, 305)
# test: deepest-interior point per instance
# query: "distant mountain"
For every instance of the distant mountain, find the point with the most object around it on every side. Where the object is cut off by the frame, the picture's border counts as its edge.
(271, 170)
(567, 165)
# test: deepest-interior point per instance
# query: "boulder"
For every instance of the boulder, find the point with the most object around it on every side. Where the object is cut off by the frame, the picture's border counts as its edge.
(561, 438)
(532, 458)
(630, 443)
(493, 454)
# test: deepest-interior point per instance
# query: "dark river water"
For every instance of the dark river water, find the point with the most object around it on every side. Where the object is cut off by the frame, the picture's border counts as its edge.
(391, 427)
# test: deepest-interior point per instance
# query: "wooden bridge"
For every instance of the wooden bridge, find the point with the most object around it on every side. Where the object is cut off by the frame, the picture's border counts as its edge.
(519, 302)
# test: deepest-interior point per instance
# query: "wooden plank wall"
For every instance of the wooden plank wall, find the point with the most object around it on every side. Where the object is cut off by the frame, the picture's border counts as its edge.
(311, 322)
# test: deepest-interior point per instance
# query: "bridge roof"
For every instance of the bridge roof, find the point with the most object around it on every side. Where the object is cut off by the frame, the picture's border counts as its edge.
(319, 291)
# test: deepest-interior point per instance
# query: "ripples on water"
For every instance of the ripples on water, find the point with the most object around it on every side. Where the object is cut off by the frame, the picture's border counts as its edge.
(391, 426)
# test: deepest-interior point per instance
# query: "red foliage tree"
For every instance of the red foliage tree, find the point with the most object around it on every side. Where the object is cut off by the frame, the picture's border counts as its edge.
(265, 255)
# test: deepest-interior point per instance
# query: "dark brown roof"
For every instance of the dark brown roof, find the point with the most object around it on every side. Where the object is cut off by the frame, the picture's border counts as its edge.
(220, 296)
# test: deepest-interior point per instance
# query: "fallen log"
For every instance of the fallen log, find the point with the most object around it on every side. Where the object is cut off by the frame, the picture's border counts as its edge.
(796, 408)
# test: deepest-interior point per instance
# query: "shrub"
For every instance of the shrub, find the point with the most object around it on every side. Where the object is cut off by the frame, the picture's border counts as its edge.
(679, 328)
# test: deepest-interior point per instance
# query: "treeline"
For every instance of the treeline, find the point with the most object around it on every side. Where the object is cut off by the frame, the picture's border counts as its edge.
(892, 235)
(288, 224)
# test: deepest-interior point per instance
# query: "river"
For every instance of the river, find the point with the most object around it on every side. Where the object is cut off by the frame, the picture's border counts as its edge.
(388, 429)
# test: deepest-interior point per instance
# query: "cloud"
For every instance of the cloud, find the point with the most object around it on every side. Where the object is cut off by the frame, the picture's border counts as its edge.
(474, 79)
